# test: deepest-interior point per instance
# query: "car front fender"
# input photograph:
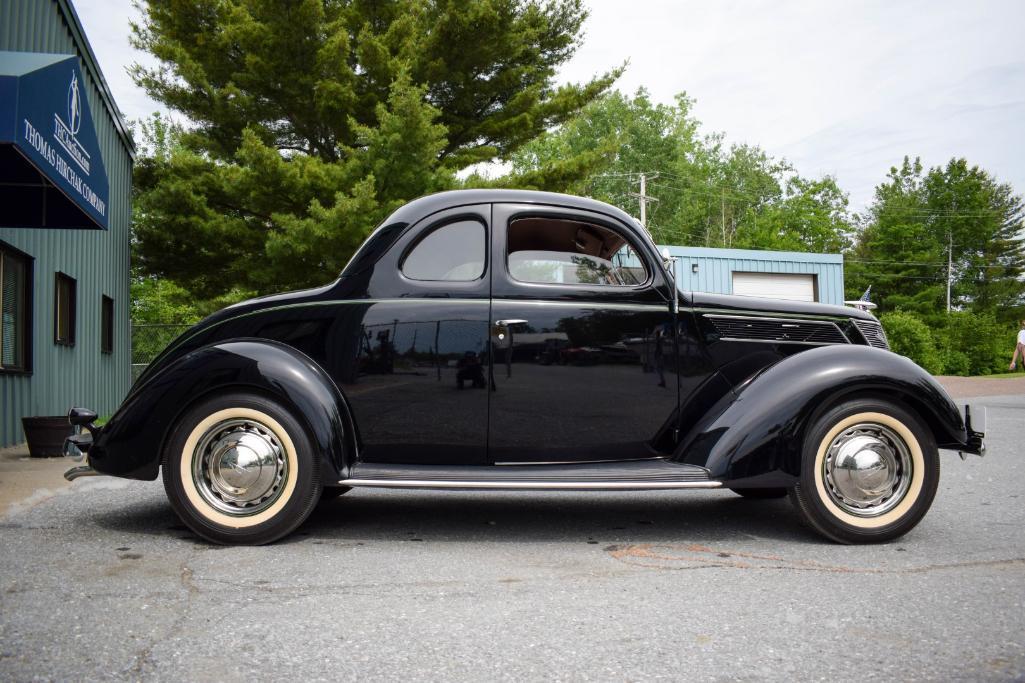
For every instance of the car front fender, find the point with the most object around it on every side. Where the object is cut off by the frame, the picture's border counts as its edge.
(753, 436)
(131, 443)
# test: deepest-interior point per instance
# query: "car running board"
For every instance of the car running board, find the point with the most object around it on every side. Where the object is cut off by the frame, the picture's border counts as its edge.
(654, 473)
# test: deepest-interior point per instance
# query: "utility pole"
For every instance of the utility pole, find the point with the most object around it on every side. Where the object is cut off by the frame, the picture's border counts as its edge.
(643, 199)
(722, 206)
(950, 261)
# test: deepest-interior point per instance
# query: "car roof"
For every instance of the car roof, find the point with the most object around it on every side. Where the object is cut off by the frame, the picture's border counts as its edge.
(424, 206)
(416, 210)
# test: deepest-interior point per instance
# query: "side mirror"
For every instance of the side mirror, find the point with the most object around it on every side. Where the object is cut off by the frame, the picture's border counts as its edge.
(81, 416)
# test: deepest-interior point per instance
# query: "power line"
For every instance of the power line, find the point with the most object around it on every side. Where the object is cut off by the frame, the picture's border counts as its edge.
(903, 263)
(939, 277)
(719, 191)
(925, 263)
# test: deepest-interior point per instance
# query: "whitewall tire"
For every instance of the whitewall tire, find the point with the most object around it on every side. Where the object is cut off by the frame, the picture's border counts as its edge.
(239, 468)
(869, 472)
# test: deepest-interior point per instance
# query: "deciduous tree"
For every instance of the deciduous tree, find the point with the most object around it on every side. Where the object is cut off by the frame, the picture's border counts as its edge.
(709, 193)
(917, 217)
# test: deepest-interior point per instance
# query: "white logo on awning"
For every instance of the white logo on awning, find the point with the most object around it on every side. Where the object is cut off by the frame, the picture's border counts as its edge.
(64, 131)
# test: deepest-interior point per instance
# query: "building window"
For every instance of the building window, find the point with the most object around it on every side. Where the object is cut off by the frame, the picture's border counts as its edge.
(15, 310)
(64, 305)
(107, 325)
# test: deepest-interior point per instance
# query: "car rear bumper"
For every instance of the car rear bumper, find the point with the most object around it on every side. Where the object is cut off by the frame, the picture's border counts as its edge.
(76, 448)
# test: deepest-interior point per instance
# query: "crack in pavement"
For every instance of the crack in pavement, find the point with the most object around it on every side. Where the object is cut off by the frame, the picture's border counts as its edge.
(695, 556)
(145, 654)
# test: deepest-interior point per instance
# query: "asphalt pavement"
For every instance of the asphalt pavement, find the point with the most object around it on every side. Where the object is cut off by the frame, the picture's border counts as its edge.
(102, 581)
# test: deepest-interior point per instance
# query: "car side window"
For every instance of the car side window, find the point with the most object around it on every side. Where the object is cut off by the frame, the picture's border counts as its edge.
(571, 252)
(454, 252)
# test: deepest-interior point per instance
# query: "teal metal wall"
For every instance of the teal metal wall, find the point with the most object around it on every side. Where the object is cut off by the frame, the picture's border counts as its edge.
(715, 268)
(98, 259)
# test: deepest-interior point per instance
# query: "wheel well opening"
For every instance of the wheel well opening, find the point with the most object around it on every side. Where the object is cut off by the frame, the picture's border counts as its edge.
(904, 400)
(240, 388)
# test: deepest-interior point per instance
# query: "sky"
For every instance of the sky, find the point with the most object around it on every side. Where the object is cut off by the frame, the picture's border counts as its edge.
(840, 88)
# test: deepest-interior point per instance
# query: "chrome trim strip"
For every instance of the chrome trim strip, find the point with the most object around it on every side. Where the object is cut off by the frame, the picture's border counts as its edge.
(583, 304)
(450, 300)
(526, 485)
(748, 340)
(771, 319)
(517, 463)
(782, 315)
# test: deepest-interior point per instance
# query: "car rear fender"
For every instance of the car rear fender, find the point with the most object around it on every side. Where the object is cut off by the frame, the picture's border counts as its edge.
(131, 443)
(754, 435)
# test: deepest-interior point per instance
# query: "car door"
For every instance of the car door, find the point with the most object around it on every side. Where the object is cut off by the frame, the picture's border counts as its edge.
(417, 381)
(582, 340)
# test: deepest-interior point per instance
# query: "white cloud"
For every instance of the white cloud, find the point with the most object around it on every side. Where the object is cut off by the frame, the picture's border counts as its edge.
(107, 27)
(846, 88)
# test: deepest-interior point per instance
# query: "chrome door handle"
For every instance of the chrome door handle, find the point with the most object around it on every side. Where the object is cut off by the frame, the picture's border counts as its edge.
(510, 321)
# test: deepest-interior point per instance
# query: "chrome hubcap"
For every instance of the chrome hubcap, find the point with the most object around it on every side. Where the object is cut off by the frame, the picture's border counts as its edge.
(867, 469)
(239, 467)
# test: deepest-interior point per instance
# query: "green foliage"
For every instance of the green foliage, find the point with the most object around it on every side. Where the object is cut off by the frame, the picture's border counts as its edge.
(161, 302)
(308, 122)
(709, 194)
(158, 301)
(902, 247)
(955, 362)
(909, 336)
(963, 343)
(985, 344)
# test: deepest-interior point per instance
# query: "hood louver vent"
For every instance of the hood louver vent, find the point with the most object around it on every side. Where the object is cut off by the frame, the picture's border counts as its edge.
(778, 330)
(873, 333)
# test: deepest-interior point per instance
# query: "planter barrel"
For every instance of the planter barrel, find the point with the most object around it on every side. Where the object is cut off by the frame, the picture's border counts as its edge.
(46, 434)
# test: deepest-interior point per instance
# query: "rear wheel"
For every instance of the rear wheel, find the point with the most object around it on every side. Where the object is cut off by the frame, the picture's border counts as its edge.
(761, 494)
(239, 468)
(869, 472)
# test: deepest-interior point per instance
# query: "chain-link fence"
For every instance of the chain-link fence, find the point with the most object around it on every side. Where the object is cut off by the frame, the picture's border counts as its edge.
(148, 341)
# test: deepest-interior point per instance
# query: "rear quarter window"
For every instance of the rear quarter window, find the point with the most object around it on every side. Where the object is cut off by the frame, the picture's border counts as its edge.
(453, 252)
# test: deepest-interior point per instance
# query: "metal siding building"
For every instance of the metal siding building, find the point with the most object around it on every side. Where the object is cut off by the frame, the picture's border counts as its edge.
(59, 376)
(702, 269)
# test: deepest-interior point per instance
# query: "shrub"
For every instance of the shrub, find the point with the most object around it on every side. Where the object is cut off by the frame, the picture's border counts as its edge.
(955, 362)
(985, 344)
(910, 336)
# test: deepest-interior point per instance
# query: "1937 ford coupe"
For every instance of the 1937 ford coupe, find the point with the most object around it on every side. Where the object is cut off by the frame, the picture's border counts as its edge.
(496, 339)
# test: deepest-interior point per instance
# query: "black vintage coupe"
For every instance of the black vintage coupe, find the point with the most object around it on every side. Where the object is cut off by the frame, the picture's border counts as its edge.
(491, 339)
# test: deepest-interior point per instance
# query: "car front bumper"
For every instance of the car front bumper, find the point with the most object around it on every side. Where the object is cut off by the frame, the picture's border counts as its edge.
(975, 428)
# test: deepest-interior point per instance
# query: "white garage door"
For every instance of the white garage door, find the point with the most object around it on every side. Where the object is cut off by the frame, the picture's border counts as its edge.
(792, 286)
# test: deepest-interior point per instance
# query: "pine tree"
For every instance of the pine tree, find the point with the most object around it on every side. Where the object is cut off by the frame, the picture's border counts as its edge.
(306, 122)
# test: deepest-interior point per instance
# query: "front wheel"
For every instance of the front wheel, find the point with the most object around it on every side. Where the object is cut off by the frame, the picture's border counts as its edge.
(240, 469)
(869, 472)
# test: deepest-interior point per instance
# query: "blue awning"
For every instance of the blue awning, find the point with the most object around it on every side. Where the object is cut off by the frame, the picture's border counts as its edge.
(51, 170)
